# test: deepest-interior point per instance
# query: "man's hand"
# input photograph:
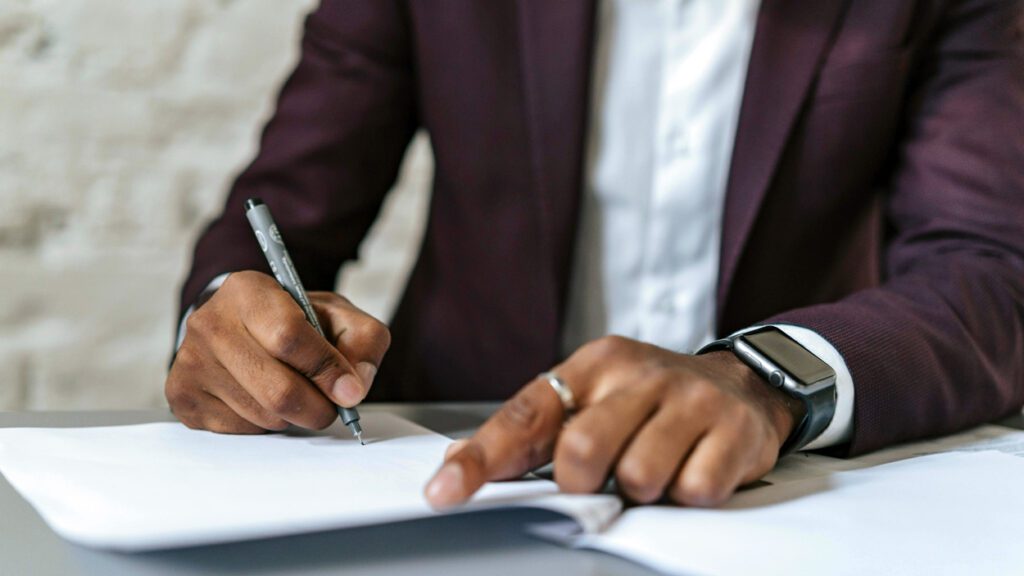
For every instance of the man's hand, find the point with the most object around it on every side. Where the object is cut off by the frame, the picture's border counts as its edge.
(251, 362)
(692, 428)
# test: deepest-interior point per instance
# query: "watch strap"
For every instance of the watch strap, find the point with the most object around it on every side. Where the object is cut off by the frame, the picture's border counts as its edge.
(819, 406)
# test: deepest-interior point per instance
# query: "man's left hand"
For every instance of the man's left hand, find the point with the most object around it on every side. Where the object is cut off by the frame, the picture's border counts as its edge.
(691, 428)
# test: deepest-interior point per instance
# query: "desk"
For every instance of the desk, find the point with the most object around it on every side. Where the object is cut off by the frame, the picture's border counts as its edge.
(488, 543)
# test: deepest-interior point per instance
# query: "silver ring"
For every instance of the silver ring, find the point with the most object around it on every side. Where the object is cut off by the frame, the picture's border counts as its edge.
(564, 393)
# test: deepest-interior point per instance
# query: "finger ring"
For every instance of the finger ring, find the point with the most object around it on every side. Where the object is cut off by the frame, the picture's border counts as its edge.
(565, 395)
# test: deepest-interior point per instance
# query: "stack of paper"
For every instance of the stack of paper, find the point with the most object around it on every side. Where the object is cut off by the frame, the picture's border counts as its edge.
(162, 485)
(953, 513)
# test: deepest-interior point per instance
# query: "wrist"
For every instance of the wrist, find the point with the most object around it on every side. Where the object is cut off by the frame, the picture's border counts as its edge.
(783, 411)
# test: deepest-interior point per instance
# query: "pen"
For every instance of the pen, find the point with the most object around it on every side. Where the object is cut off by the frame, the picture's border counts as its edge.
(284, 271)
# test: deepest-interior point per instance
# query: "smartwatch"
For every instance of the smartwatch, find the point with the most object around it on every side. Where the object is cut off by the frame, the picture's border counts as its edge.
(784, 364)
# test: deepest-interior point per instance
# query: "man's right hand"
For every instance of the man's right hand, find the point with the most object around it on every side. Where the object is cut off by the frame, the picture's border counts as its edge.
(251, 362)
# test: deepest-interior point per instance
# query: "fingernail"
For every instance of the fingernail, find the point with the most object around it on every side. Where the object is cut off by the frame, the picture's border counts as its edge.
(366, 372)
(446, 487)
(347, 390)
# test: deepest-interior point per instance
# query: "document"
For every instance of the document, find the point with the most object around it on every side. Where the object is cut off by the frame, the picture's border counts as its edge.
(804, 465)
(162, 485)
(949, 513)
(954, 510)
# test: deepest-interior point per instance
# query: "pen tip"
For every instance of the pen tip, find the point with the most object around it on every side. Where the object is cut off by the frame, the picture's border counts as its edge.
(359, 436)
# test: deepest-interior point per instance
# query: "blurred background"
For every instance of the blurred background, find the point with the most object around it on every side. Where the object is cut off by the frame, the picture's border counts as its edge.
(122, 123)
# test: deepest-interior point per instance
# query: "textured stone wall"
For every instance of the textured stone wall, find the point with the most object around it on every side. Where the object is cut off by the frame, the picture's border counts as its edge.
(121, 125)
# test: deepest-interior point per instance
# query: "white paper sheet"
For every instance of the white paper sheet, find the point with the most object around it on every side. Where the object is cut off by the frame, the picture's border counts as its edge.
(162, 485)
(953, 513)
(803, 465)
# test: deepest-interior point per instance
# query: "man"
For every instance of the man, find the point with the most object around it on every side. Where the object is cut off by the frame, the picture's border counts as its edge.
(845, 176)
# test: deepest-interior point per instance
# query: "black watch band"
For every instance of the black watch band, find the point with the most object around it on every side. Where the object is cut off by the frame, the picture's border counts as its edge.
(819, 397)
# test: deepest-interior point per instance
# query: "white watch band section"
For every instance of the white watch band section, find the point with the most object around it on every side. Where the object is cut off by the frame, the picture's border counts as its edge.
(841, 427)
(212, 286)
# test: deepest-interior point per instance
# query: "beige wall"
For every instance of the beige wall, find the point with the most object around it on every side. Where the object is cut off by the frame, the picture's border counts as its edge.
(121, 124)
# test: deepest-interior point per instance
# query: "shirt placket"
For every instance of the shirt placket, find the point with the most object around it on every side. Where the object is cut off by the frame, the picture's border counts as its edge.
(673, 147)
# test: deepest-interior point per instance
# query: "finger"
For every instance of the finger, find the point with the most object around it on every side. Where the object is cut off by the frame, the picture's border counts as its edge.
(218, 382)
(275, 386)
(214, 415)
(592, 441)
(718, 463)
(281, 328)
(455, 447)
(518, 438)
(190, 403)
(654, 456)
(362, 339)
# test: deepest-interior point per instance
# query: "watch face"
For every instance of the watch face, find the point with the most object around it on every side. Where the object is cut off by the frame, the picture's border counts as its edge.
(789, 355)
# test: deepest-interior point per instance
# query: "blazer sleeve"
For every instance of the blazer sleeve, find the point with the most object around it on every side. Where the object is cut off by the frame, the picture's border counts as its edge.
(939, 345)
(330, 152)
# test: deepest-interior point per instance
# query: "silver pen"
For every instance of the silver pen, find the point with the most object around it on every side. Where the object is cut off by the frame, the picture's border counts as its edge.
(284, 271)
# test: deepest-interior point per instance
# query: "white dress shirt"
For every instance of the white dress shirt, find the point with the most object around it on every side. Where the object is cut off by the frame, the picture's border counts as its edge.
(667, 87)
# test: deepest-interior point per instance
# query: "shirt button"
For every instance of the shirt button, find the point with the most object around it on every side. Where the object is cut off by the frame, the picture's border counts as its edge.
(665, 305)
(677, 143)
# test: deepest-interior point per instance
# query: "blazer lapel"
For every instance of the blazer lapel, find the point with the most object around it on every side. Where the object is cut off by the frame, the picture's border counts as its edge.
(789, 44)
(555, 46)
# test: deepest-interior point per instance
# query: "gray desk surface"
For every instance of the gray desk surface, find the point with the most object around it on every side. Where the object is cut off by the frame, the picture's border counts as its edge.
(492, 543)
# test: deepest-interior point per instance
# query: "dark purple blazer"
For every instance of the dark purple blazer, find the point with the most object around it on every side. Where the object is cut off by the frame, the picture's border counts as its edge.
(876, 193)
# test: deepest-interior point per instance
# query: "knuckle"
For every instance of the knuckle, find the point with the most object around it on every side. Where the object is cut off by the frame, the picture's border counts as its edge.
(180, 382)
(520, 413)
(658, 382)
(198, 322)
(284, 398)
(372, 333)
(705, 395)
(172, 390)
(206, 324)
(243, 280)
(285, 339)
(578, 446)
(606, 346)
(326, 365)
(638, 480)
(379, 332)
(186, 360)
(678, 399)
(698, 489)
(743, 417)
(181, 400)
(184, 404)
